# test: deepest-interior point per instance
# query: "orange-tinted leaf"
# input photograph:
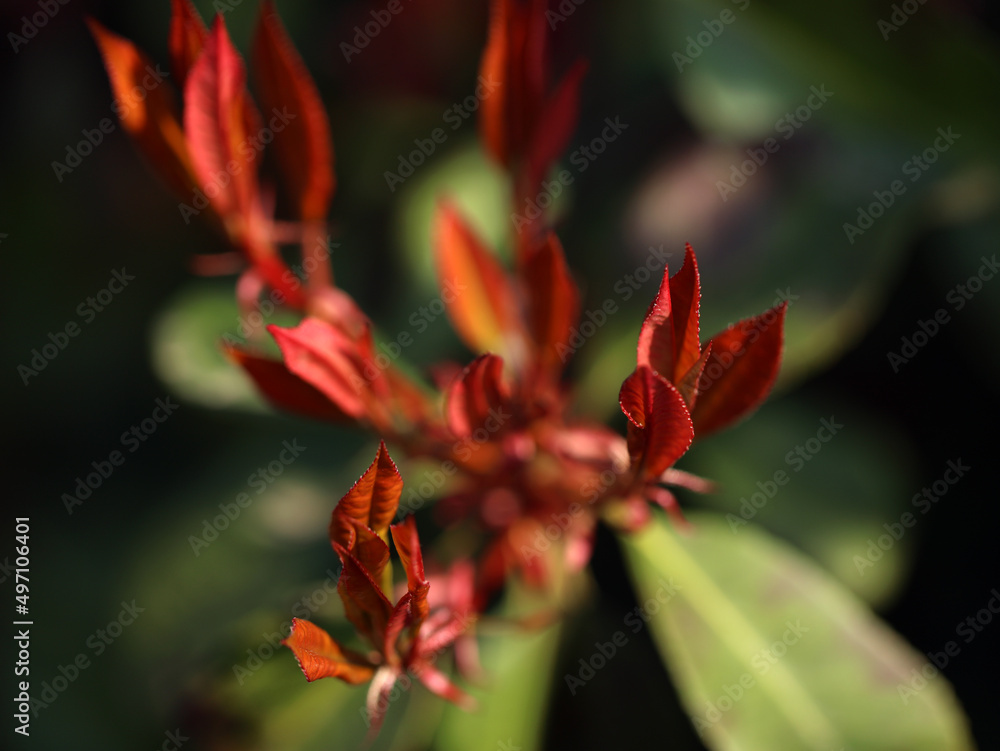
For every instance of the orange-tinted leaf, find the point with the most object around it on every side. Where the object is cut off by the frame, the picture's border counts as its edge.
(660, 429)
(303, 145)
(371, 502)
(284, 389)
(186, 40)
(151, 120)
(320, 656)
(372, 553)
(218, 129)
(739, 374)
(475, 395)
(326, 358)
(365, 605)
(554, 302)
(407, 542)
(495, 67)
(476, 290)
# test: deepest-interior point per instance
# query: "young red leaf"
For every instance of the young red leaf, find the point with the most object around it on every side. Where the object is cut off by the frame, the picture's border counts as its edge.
(365, 605)
(748, 354)
(475, 395)
(303, 145)
(553, 129)
(404, 537)
(218, 125)
(476, 290)
(438, 683)
(186, 39)
(371, 502)
(319, 656)
(685, 297)
(283, 388)
(326, 358)
(495, 67)
(660, 429)
(656, 336)
(151, 120)
(668, 339)
(553, 303)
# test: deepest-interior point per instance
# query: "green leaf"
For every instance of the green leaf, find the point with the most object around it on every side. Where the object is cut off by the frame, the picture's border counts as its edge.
(512, 707)
(769, 652)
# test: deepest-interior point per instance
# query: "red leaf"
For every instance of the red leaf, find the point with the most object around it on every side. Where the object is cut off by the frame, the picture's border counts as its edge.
(668, 339)
(365, 605)
(476, 290)
(303, 145)
(284, 389)
(319, 656)
(660, 429)
(404, 536)
(495, 67)
(371, 502)
(553, 305)
(186, 40)
(475, 395)
(326, 358)
(218, 132)
(554, 127)
(151, 120)
(656, 336)
(438, 683)
(747, 356)
(685, 295)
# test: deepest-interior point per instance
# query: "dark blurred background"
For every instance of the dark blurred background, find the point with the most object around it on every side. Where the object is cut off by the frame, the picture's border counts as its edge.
(691, 121)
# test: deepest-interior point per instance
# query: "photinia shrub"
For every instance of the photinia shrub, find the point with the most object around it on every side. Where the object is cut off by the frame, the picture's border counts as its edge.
(501, 427)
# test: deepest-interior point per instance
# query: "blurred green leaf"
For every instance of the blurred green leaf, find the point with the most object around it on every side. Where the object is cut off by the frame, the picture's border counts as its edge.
(768, 652)
(828, 512)
(512, 707)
